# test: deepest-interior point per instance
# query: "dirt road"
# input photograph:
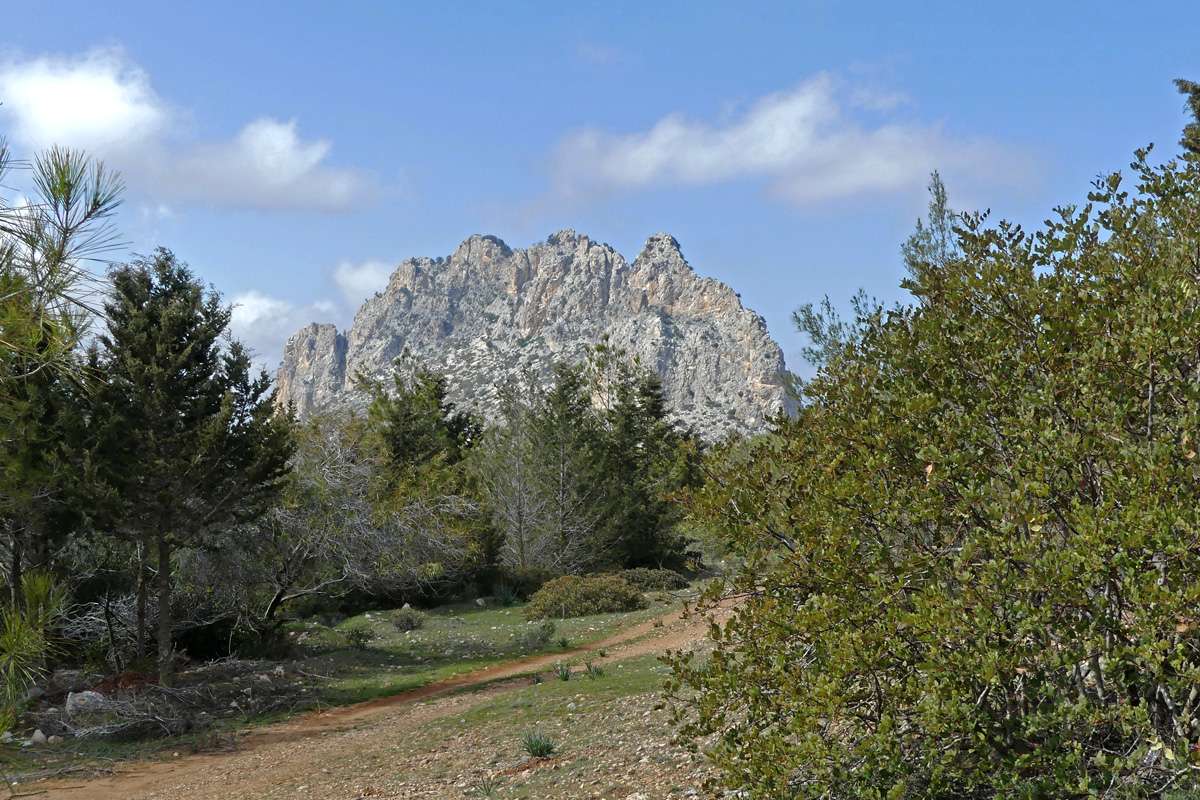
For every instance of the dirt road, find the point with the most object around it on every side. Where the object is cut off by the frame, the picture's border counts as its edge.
(330, 754)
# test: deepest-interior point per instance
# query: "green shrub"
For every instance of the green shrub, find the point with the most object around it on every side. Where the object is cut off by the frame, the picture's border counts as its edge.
(358, 634)
(649, 579)
(537, 636)
(562, 671)
(537, 744)
(972, 565)
(581, 595)
(593, 670)
(408, 619)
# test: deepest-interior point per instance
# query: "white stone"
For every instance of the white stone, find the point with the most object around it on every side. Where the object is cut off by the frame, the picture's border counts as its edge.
(82, 702)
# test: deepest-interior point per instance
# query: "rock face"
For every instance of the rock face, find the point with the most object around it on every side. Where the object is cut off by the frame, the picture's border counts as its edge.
(488, 311)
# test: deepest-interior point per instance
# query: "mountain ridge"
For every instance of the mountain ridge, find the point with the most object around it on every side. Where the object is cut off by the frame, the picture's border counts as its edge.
(488, 310)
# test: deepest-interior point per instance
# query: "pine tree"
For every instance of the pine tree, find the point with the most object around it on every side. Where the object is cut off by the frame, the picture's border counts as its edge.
(1191, 131)
(637, 451)
(567, 470)
(423, 494)
(506, 471)
(190, 440)
(44, 292)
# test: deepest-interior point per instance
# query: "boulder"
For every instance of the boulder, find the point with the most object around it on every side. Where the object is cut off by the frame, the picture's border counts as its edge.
(64, 681)
(84, 703)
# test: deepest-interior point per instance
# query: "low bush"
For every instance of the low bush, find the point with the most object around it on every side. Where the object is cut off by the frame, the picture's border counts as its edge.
(358, 634)
(649, 579)
(538, 636)
(562, 671)
(581, 595)
(408, 619)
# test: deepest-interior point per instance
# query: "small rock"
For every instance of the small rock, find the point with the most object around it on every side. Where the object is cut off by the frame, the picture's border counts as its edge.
(54, 740)
(406, 607)
(38, 737)
(479, 601)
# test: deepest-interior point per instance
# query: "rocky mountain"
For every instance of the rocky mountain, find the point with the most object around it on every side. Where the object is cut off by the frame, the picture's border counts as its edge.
(487, 311)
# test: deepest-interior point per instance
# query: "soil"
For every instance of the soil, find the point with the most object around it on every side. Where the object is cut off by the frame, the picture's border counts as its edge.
(376, 749)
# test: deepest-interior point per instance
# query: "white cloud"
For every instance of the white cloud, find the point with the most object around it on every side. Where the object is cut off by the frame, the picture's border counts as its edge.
(105, 104)
(359, 281)
(263, 323)
(99, 101)
(804, 143)
(267, 165)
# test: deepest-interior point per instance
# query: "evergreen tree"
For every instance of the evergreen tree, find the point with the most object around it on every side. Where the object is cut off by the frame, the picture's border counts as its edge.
(190, 441)
(1191, 132)
(637, 451)
(567, 471)
(506, 471)
(44, 309)
(424, 495)
(43, 466)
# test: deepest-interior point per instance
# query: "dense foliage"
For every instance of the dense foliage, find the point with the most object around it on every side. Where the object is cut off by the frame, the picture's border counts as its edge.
(654, 580)
(973, 563)
(583, 595)
(586, 472)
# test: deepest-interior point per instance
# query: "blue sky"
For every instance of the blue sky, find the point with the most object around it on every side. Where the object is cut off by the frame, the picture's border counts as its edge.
(293, 152)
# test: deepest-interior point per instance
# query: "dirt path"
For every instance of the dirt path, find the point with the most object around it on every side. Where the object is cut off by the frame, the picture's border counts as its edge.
(272, 757)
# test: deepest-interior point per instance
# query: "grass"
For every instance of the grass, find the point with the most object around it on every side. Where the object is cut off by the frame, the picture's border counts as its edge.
(453, 640)
(537, 704)
(575, 716)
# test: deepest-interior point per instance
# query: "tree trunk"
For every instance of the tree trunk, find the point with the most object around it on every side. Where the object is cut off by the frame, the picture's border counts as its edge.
(15, 574)
(273, 606)
(141, 601)
(165, 652)
(112, 636)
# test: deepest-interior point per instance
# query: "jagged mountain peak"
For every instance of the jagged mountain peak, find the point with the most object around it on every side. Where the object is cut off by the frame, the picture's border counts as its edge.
(488, 310)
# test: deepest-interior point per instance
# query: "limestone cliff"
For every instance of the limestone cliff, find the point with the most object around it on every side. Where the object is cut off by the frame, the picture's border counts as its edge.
(488, 310)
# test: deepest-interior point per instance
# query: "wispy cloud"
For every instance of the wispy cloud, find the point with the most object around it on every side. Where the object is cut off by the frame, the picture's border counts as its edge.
(819, 141)
(359, 280)
(106, 104)
(264, 321)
